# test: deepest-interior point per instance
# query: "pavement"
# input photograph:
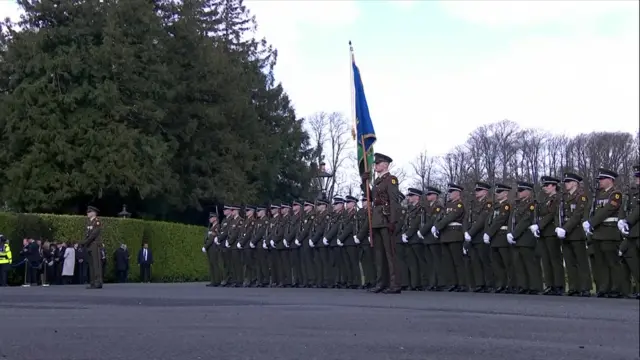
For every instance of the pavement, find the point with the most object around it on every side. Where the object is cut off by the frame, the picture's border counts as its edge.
(190, 321)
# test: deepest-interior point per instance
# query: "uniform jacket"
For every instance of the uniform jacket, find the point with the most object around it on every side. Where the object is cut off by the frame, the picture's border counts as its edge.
(450, 225)
(605, 219)
(496, 227)
(304, 231)
(236, 227)
(260, 231)
(386, 202)
(334, 227)
(522, 217)
(92, 239)
(349, 227)
(247, 232)
(363, 226)
(576, 206)
(412, 221)
(548, 212)
(480, 211)
(319, 226)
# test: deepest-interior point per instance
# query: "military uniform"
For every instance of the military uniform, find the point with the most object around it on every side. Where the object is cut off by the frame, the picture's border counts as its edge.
(629, 227)
(333, 258)
(524, 231)
(569, 231)
(236, 228)
(367, 256)
(225, 253)
(92, 242)
(212, 251)
(247, 248)
(412, 247)
(448, 228)
(350, 255)
(320, 255)
(276, 233)
(479, 252)
(295, 251)
(260, 234)
(433, 250)
(283, 246)
(550, 245)
(495, 234)
(307, 252)
(606, 237)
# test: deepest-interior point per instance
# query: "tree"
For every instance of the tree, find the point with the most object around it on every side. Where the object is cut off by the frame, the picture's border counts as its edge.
(423, 167)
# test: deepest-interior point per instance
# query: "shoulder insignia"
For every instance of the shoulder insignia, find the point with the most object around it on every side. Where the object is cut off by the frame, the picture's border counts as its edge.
(584, 198)
(459, 205)
(437, 209)
(394, 180)
(532, 207)
(506, 207)
(617, 196)
(489, 205)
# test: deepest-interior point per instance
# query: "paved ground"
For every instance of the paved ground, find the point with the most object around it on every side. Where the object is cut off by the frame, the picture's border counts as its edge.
(190, 322)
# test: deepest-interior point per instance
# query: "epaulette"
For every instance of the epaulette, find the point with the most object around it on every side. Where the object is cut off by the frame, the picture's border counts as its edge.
(394, 180)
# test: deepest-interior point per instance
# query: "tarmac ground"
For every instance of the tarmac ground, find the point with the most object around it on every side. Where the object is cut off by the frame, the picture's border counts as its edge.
(190, 321)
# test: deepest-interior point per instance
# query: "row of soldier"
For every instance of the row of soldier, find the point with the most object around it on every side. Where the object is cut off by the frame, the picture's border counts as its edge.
(488, 244)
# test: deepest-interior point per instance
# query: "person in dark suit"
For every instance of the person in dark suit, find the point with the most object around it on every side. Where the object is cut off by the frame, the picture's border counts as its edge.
(121, 261)
(145, 260)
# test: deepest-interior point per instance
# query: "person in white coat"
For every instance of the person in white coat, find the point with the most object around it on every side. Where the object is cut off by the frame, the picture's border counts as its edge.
(69, 264)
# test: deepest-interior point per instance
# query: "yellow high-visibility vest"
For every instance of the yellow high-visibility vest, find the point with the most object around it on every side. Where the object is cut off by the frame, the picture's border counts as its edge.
(5, 254)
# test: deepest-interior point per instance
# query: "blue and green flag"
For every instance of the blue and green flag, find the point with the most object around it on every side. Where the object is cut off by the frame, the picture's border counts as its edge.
(364, 133)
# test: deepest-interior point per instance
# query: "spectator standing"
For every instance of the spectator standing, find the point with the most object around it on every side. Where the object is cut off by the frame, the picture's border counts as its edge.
(121, 261)
(68, 265)
(145, 260)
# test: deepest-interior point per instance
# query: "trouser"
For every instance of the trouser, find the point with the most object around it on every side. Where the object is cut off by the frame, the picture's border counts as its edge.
(121, 276)
(274, 269)
(630, 259)
(404, 263)
(249, 265)
(327, 265)
(553, 269)
(32, 273)
(295, 255)
(434, 258)
(262, 266)
(368, 264)
(527, 268)
(419, 252)
(351, 265)
(611, 274)
(4, 271)
(308, 266)
(284, 266)
(502, 264)
(319, 265)
(237, 274)
(385, 259)
(95, 267)
(480, 256)
(577, 265)
(145, 273)
(337, 271)
(453, 264)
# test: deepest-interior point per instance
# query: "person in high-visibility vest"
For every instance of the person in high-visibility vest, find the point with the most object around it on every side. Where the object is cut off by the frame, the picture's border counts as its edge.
(5, 260)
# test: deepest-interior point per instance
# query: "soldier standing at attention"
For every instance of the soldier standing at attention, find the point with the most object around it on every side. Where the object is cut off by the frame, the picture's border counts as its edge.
(630, 229)
(449, 230)
(282, 246)
(247, 253)
(402, 268)
(605, 234)
(302, 240)
(549, 242)
(479, 252)
(523, 235)
(330, 240)
(92, 243)
(350, 259)
(433, 250)
(315, 242)
(261, 249)
(210, 249)
(573, 237)
(384, 223)
(276, 234)
(413, 248)
(363, 239)
(295, 256)
(495, 234)
(221, 241)
(235, 233)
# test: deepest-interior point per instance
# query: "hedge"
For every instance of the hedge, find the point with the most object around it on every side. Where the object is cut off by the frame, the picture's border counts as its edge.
(176, 247)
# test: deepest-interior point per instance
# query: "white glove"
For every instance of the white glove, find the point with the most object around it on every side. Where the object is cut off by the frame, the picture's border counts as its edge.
(286, 243)
(209, 232)
(238, 246)
(535, 230)
(586, 226)
(297, 242)
(311, 243)
(619, 253)
(356, 240)
(273, 244)
(369, 239)
(204, 250)
(623, 226)
(486, 239)
(216, 241)
(467, 237)
(404, 238)
(561, 233)
(251, 245)
(340, 243)
(264, 244)
(434, 231)
(226, 243)
(510, 239)
(420, 235)
(464, 251)
(325, 241)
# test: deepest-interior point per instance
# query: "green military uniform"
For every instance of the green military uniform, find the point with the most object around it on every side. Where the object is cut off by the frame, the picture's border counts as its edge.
(411, 247)
(333, 252)
(629, 227)
(367, 256)
(525, 230)
(322, 221)
(236, 228)
(247, 252)
(92, 243)
(225, 253)
(549, 243)
(283, 245)
(433, 250)
(448, 228)
(260, 234)
(276, 232)
(307, 252)
(295, 251)
(350, 256)
(479, 252)
(402, 268)
(569, 230)
(212, 251)
(495, 234)
(385, 224)
(606, 237)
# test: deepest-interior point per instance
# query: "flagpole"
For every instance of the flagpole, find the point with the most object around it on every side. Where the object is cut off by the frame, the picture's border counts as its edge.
(364, 152)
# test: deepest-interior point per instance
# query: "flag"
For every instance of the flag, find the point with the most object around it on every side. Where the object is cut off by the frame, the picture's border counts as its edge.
(365, 135)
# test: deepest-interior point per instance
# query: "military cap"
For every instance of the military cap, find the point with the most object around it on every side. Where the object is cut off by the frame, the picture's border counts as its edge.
(322, 202)
(351, 199)
(378, 158)
(433, 191)
(212, 214)
(249, 208)
(297, 202)
(338, 200)
(572, 177)
(523, 185)
(482, 186)
(261, 207)
(92, 209)
(228, 207)
(607, 174)
(285, 206)
(309, 203)
(502, 187)
(548, 180)
(636, 171)
(364, 198)
(414, 192)
(274, 206)
(455, 187)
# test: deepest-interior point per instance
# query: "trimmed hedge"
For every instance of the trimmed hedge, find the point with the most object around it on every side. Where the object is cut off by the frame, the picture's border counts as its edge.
(176, 247)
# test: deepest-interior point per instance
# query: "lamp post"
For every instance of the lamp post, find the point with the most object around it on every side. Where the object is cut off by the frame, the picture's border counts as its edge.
(124, 213)
(322, 179)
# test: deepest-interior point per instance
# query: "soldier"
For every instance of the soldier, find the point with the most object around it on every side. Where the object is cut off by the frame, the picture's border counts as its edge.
(384, 223)
(523, 234)
(276, 235)
(307, 253)
(283, 246)
(247, 248)
(630, 230)
(448, 228)
(211, 250)
(606, 238)
(92, 243)
(402, 269)
(412, 247)
(549, 243)
(479, 252)
(333, 254)
(260, 234)
(295, 255)
(367, 256)
(315, 242)
(495, 234)
(236, 227)
(569, 231)
(433, 250)
(221, 242)
(350, 258)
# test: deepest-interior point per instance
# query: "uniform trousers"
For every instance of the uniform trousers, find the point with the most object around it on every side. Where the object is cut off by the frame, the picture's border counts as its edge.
(453, 264)
(577, 265)
(527, 268)
(351, 265)
(480, 255)
(611, 274)
(553, 269)
(385, 254)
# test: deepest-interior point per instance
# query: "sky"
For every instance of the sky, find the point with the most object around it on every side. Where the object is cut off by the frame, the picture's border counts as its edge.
(434, 71)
